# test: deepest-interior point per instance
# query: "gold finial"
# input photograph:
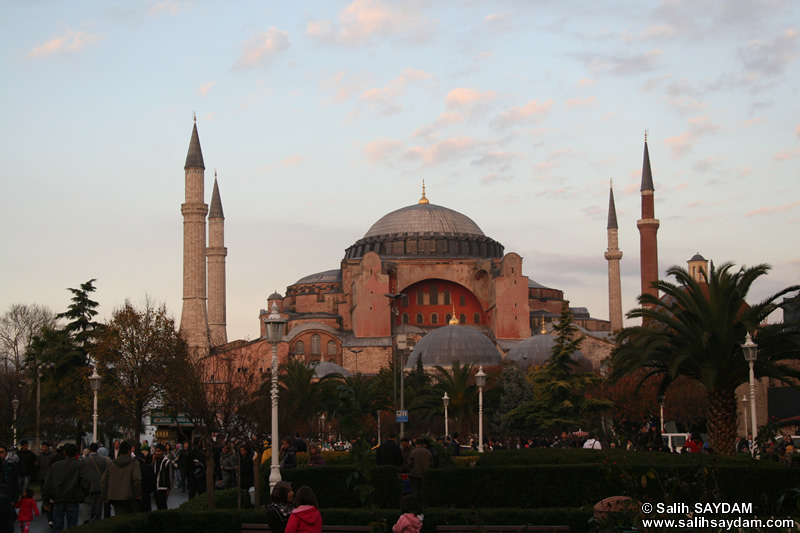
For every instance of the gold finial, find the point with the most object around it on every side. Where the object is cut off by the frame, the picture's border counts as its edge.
(423, 200)
(645, 135)
(544, 330)
(454, 321)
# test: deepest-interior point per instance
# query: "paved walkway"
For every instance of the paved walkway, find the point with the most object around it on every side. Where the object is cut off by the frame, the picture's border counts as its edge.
(39, 524)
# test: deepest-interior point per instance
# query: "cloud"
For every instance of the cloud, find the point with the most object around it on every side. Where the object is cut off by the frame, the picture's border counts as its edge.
(443, 120)
(770, 210)
(682, 144)
(499, 160)
(461, 97)
(498, 22)
(706, 164)
(70, 41)
(494, 178)
(578, 102)
(382, 150)
(292, 160)
(202, 91)
(551, 161)
(533, 111)
(622, 65)
(797, 130)
(653, 32)
(770, 58)
(343, 85)
(783, 155)
(170, 7)
(363, 20)
(261, 49)
(385, 97)
(587, 82)
(442, 151)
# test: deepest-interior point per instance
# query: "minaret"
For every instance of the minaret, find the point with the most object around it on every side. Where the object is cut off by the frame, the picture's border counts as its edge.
(216, 253)
(613, 255)
(648, 227)
(194, 320)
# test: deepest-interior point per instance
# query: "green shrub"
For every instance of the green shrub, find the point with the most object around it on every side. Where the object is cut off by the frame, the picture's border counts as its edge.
(223, 499)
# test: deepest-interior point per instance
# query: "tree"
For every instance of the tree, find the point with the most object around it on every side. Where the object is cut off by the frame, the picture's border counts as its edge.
(18, 326)
(303, 396)
(133, 353)
(80, 314)
(360, 401)
(696, 330)
(459, 384)
(561, 400)
(514, 390)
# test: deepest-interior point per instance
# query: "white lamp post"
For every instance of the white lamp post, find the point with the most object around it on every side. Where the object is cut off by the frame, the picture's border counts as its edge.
(750, 350)
(744, 410)
(661, 405)
(480, 380)
(94, 381)
(446, 400)
(15, 405)
(274, 326)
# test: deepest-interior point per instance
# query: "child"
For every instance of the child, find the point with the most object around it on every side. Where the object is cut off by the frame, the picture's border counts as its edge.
(27, 506)
(410, 520)
(305, 518)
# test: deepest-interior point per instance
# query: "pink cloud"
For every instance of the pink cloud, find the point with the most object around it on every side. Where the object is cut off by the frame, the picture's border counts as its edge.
(769, 210)
(797, 130)
(292, 160)
(71, 41)
(587, 82)
(261, 49)
(382, 150)
(343, 86)
(786, 154)
(442, 151)
(202, 91)
(578, 102)
(533, 111)
(682, 144)
(467, 97)
(385, 97)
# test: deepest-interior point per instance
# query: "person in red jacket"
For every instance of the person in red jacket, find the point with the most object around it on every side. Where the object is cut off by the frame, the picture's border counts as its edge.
(27, 506)
(305, 517)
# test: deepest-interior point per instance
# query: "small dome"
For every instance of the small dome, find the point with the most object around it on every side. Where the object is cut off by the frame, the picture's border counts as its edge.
(447, 344)
(536, 350)
(275, 296)
(329, 276)
(325, 368)
(697, 257)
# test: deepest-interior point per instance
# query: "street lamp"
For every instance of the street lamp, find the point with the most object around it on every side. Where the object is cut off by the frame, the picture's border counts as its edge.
(94, 381)
(750, 350)
(274, 325)
(37, 368)
(480, 380)
(15, 405)
(744, 410)
(661, 405)
(446, 400)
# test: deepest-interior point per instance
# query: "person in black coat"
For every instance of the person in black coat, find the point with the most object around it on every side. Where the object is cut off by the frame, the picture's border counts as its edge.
(148, 481)
(389, 452)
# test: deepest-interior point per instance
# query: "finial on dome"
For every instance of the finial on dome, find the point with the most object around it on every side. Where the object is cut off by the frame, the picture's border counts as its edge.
(544, 330)
(423, 200)
(454, 321)
(645, 135)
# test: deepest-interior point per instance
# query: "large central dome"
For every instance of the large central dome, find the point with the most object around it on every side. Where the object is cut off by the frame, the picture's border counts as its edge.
(422, 219)
(424, 229)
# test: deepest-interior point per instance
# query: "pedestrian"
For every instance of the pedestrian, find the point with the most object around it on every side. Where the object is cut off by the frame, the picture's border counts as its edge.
(148, 481)
(247, 461)
(27, 507)
(299, 444)
(179, 467)
(7, 514)
(65, 488)
(592, 443)
(455, 446)
(389, 452)
(227, 462)
(315, 456)
(405, 450)
(410, 520)
(305, 517)
(162, 467)
(420, 459)
(94, 465)
(26, 465)
(122, 482)
(9, 476)
(288, 454)
(280, 507)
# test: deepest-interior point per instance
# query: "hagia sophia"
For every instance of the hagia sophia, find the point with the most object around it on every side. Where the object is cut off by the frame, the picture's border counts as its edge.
(424, 272)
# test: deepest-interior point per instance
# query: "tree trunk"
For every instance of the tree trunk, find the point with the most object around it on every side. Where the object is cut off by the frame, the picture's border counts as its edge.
(210, 465)
(722, 421)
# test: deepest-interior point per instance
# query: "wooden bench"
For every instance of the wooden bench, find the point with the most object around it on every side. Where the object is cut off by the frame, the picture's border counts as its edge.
(252, 528)
(499, 529)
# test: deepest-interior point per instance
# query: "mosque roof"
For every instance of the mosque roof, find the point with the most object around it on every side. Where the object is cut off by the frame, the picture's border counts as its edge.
(536, 350)
(425, 219)
(697, 257)
(324, 368)
(329, 276)
(275, 296)
(447, 344)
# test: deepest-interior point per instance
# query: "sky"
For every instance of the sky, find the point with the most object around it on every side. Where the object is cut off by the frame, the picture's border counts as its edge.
(320, 117)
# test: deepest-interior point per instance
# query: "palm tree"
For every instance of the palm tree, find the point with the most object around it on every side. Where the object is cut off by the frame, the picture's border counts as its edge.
(696, 330)
(302, 396)
(459, 384)
(360, 400)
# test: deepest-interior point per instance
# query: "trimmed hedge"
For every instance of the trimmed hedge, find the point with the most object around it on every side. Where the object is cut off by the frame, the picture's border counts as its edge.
(223, 499)
(330, 485)
(230, 520)
(572, 456)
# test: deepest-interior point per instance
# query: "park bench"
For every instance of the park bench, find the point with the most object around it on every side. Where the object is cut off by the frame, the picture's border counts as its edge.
(256, 528)
(500, 529)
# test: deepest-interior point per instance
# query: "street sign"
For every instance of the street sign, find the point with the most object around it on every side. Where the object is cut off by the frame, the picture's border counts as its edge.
(402, 416)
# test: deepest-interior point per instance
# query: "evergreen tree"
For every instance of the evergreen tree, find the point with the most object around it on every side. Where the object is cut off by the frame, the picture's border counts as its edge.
(514, 390)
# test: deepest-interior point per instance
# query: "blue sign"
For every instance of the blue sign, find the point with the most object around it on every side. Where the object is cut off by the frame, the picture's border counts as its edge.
(402, 416)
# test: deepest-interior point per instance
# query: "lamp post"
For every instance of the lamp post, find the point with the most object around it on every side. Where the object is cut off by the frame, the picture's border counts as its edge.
(446, 400)
(480, 380)
(94, 381)
(744, 410)
(661, 405)
(15, 405)
(750, 350)
(274, 326)
(37, 368)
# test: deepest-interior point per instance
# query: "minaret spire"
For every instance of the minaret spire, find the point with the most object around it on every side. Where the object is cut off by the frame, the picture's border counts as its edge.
(613, 255)
(194, 316)
(216, 253)
(648, 228)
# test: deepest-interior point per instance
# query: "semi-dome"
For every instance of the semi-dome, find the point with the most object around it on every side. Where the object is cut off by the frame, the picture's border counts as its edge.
(328, 276)
(536, 350)
(428, 230)
(447, 344)
(325, 368)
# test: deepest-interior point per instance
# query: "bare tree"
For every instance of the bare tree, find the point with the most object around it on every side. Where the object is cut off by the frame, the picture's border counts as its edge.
(18, 326)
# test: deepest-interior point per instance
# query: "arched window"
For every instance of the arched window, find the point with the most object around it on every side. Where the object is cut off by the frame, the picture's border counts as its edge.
(316, 349)
(419, 318)
(476, 318)
(420, 298)
(332, 348)
(462, 318)
(299, 348)
(446, 297)
(447, 318)
(405, 318)
(434, 318)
